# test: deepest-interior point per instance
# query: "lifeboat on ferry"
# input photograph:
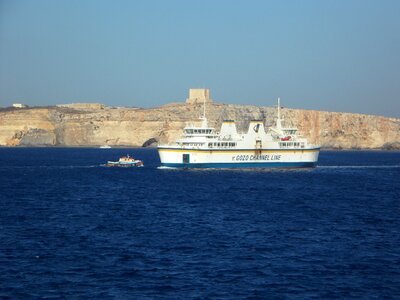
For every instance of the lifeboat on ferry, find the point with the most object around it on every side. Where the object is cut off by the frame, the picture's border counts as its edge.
(287, 138)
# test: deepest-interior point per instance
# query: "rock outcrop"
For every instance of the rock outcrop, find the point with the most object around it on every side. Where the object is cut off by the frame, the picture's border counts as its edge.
(101, 125)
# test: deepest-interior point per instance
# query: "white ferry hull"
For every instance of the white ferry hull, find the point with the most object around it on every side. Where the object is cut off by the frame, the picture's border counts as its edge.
(240, 158)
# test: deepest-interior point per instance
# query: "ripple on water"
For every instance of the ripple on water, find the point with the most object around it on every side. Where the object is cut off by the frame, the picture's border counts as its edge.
(73, 229)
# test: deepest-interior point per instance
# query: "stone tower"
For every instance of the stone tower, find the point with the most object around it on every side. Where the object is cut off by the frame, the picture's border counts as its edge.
(198, 96)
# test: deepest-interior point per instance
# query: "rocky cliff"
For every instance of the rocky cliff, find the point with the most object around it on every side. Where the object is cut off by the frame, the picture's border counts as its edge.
(100, 125)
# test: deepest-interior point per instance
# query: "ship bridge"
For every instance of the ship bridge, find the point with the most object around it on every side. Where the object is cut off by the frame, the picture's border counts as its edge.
(199, 131)
(194, 136)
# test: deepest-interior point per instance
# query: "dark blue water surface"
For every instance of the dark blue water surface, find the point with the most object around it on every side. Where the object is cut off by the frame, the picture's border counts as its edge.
(70, 228)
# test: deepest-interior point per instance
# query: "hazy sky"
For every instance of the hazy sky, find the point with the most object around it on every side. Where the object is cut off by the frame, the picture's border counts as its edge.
(325, 55)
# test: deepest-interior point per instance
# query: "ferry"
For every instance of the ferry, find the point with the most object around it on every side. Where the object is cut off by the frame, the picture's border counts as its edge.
(204, 147)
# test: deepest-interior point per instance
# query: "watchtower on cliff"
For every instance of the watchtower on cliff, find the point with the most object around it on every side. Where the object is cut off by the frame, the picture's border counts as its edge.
(198, 96)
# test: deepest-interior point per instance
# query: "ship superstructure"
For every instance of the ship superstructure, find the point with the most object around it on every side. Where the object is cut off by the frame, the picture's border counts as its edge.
(203, 147)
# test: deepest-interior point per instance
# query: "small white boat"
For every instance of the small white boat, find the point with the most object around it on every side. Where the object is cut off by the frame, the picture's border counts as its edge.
(105, 147)
(126, 162)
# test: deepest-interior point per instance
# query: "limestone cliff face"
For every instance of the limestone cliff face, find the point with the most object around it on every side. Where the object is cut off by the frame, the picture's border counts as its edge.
(66, 126)
(26, 127)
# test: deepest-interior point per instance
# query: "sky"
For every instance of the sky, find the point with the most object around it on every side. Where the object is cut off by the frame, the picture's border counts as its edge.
(332, 55)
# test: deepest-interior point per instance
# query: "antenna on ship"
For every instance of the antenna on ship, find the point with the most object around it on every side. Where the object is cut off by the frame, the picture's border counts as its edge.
(204, 108)
(204, 123)
(279, 120)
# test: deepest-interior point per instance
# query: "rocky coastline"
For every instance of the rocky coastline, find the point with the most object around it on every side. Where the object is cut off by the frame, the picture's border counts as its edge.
(96, 125)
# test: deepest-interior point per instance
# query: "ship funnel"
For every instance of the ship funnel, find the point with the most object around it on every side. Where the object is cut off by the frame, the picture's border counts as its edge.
(228, 128)
(256, 127)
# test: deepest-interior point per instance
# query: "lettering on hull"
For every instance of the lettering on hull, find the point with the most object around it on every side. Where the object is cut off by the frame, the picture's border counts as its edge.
(262, 157)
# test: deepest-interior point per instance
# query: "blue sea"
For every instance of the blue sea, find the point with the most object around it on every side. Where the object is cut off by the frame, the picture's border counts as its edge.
(73, 229)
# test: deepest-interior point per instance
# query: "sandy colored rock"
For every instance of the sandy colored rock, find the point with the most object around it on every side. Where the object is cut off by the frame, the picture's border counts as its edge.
(100, 125)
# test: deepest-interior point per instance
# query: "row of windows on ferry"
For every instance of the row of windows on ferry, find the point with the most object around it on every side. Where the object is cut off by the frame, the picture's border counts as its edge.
(291, 144)
(222, 145)
(290, 131)
(212, 145)
(198, 131)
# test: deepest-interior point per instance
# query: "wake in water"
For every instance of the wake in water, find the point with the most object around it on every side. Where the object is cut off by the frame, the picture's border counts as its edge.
(216, 169)
(360, 167)
(49, 167)
(166, 168)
